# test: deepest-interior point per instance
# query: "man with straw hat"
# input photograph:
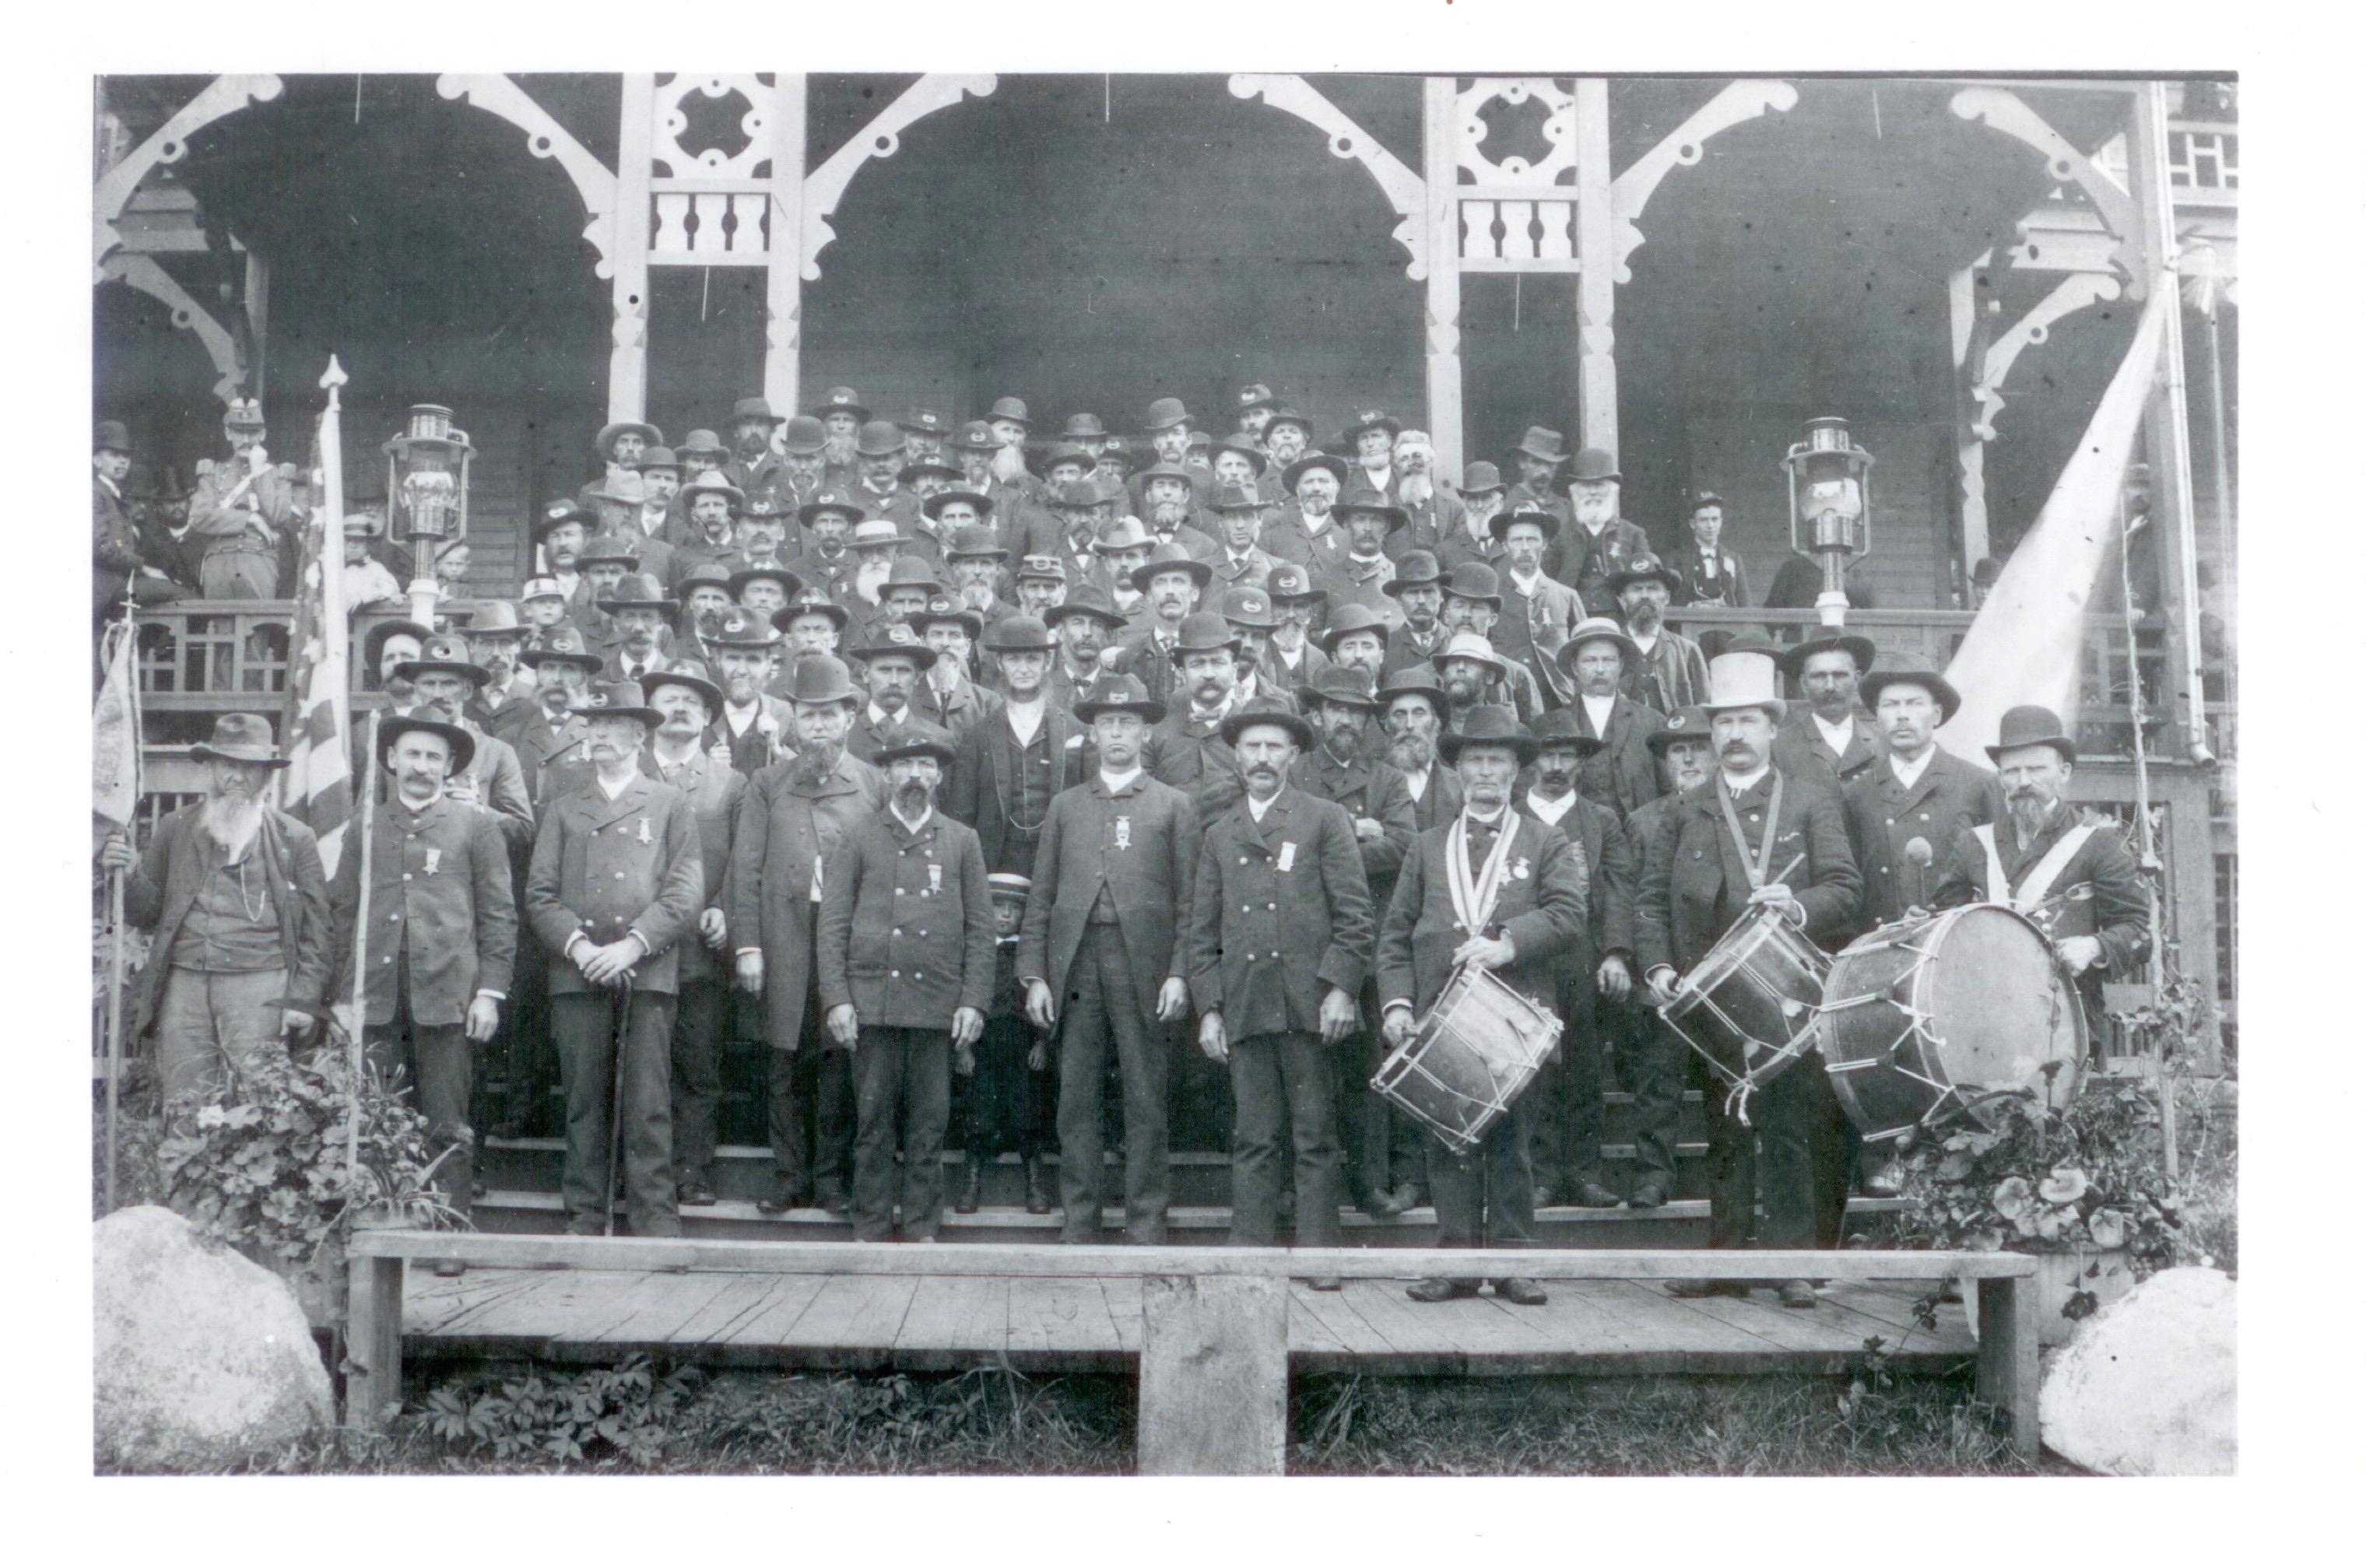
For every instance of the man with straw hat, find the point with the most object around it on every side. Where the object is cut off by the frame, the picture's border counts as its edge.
(1750, 838)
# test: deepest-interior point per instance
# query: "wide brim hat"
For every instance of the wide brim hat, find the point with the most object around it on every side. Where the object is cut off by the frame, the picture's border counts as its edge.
(394, 727)
(917, 746)
(1163, 470)
(1597, 628)
(1373, 500)
(1795, 657)
(949, 614)
(706, 574)
(651, 435)
(1353, 618)
(1501, 524)
(1201, 572)
(560, 514)
(703, 444)
(1258, 461)
(1470, 645)
(833, 501)
(1231, 726)
(111, 436)
(620, 699)
(1406, 684)
(1558, 727)
(830, 609)
(1337, 468)
(1415, 568)
(1085, 458)
(1944, 694)
(750, 635)
(1489, 724)
(712, 483)
(791, 583)
(756, 407)
(1017, 634)
(925, 466)
(1684, 724)
(1117, 694)
(878, 438)
(2031, 724)
(706, 689)
(1744, 679)
(1545, 445)
(571, 650)
(918, 652)
(1055, 613)
(640, 591)
(1285, 414)
(933, 508)
(373, 640)
(240, 737)
(1341, 686)
(1645, 568)
(1370, 419)
(439, 657)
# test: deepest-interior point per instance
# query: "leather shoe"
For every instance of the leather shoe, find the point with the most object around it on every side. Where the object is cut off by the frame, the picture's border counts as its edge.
(1594, 1195)
(973, 1176)
(1690, 1290)
(1435, 1289)
(1402, 1198)
(1039, 1192)
(694, 1194)
(1885, 1182)
(831, 1195)
(788, 1196)
(449, 1268)
(1323, 1282)
(1796, 1293)
(1520, 1292)
(1542, 1197)
(1648, 1195)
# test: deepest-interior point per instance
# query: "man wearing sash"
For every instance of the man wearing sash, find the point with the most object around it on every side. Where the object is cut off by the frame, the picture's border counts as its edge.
(1506, 893)
(2075, 878)
(1753, 839)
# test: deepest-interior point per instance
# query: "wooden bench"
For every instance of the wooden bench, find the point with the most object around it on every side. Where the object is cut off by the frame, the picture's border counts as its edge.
(1214, 1363)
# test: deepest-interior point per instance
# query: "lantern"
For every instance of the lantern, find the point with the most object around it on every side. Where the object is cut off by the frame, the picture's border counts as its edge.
(428, 484)
(1832, 507)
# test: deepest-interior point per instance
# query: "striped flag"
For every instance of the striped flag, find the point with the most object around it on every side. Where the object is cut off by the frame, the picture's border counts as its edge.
(316, 787)
(2025, 644)
(115, 736)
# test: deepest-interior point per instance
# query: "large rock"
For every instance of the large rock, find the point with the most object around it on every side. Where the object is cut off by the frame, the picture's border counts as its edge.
(201, 1358)
(2146, 1385)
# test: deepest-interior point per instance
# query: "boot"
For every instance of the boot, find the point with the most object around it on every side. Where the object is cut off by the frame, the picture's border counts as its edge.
(1039, 1192)
(973, 1176)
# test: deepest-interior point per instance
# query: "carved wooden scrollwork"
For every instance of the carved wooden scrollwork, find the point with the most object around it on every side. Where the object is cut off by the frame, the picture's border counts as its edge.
(2073, 294)
(223, 96)
(545, 137)
(2003, 111)
(1738, 104)
(144, 273)
(1294, 95)
(883, 138)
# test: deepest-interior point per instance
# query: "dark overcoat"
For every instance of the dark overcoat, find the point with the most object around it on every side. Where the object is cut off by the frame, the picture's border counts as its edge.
(1141, 843)
(1624, 773)
(163, 885)
(906, 928)
(1694, 885)
(713, 789)
(440, 898)
(1279, 910)
(604, 867)
(1541, 908)
(1951, 798)
(786, 829)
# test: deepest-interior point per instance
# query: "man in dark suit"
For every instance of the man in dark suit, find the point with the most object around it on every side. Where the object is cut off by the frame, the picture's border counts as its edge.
(1280, 936)
(1187, 749)
(115, 543)
(549, 729)
(617, 882)
(1827, 734)
(892, 671)
(442, 935)
(1622, 775)
(906, 965)
(1010, 767)
(1420, 593)
(1103, 955)
(751, 723)
(1517, 909)
(1917, 794)
(1597, 542)
(1697, 884)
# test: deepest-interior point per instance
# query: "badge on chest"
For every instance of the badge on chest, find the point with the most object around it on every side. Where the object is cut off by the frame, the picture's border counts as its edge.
(1121, 832)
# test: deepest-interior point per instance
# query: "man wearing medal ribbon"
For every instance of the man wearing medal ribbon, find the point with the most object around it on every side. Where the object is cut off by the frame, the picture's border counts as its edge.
(1507, 892)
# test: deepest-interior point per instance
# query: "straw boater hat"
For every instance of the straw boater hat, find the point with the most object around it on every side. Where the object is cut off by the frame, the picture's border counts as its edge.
(1912, 669)
(240, 737)
(394, 727)
(707, 690)
(1597, 628)
(1859, 649)
(1116, 692)
(875, 533)
(1007, 885)
(1489, 724)
(540, 588)
(619, 699)
(2031, 724)
(1232, 724)
(1745, 679)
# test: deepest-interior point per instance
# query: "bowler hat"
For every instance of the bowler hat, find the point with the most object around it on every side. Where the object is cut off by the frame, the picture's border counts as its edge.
(1415, 568)
(1285, 414)
(791, 583)
(1368, 500)
(2031, 724)
(1291, 582)
(1590, 465)
(703, 444)
(706, 574)
(603, 443)
(1501, 524)
(1245, 447)
(657, 458)
(712, 482)
(1370, 419)
(838, 501)
(1597, 628)
(1549, 445)
(1256, 395)
(111, 436)
(640, 591)
(1645, 568)
(1017, 634)
(950, 612)
(1470, 645)
(1232, 724)
(913, 470)
(618, 699)
(815, 604)
(822, 678)
(1560, 727)
(240, 737)
(394, 727)
(934, 507)
(564, 646)
(1684, 724)
(1794, 659)
(917, 745)
(1082, 427)
(975, 541)
(1477, 582)
(1744, 680)
(1204, 631)
(1166, 414)
(444, 655)
(1011, 409)
(1086, 599)
(1336, 467)
(1481, 478)
(1912, 669)
(706, 690)
(1248, 607)
(802, 436)
(878, 438)
(842, 400)
(909, 571)
(740, 629)
(1166, 470)
(1171, 558)
(1116, 692)
(1355, 617)
(924, 421)
(1338, 683)
(1489, 724)
(755, 407)
(1197, 442)
(373, 640)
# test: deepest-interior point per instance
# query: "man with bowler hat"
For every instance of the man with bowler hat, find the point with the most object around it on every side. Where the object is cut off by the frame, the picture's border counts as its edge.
(1598, 541)
(1011, 765)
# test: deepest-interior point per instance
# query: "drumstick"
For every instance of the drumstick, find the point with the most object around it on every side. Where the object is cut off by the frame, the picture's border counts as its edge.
(1918, 855)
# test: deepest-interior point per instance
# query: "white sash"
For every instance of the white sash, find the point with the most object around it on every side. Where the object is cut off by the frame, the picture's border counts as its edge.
(2032, 891)
(1474, 900)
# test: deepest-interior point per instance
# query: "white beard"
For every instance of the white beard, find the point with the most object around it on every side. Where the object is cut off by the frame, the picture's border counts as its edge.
(838, 451)
(870, 576)
(1594, 512)
(232, 821)
(1415, 489)
(1008, 465)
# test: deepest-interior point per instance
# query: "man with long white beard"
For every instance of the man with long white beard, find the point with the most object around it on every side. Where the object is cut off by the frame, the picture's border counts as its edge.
(1600, 543)
(1472, 537)
(905, 961)
(842, 415)
(1420, 593)
(1754, 839)
(1169, 512)
(752, 725)
(1670, 672)
(1594, 662)
(1170, 583)
(1432, 509)
(877, 546)
(1008, 423)
(1506, 893)
(1413, 716)
(233, 890)
(617, 882)
(1286, 435)
(1169, 430)
(1307, 531)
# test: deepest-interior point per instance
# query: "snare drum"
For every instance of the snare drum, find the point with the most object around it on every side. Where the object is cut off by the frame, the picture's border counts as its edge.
(1475, 1051)
(1936, 1019)
(1749, 1004)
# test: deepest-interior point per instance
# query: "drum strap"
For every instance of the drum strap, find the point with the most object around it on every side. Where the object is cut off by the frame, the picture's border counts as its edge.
(1474, 898)
(2026, 897)
(1753, 869)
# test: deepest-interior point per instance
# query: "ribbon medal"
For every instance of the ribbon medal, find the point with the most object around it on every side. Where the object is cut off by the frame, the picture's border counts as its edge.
(1289, 856)
(1125, 832)
(936, 877)
(1520, 868)
(435, 858)
(645, 831)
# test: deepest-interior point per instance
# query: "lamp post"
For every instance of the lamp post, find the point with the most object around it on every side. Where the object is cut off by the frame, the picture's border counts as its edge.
(427, 478)
(1832, 508)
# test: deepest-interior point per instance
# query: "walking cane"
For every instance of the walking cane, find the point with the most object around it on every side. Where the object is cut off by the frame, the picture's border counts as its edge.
(620, 1037)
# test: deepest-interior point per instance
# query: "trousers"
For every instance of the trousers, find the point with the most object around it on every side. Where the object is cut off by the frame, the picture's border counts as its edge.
(239, 574)
(697, 1077)
(210, 1024)
(1607, 1040)
(439, 1064)
(1788, 1166)
(1283, 1088)
(1102, 1012)
(583, 1023)
(809, 1097)
(1487, 1197)
(1008, 1107)
(902, 1085)
(1380, 1146)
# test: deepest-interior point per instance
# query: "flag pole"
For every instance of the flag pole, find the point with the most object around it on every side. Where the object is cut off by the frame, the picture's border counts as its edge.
(333, 473)
(365, 803)
(121, 629)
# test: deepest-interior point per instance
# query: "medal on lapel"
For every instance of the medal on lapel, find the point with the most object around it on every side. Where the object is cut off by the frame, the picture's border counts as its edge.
(1520, 868)
(645, 831)
(435, 858)
(936, 877)
(1289, 856)
(1124, 832)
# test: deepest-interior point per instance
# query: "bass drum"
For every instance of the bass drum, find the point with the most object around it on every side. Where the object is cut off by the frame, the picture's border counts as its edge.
(1942, 1017)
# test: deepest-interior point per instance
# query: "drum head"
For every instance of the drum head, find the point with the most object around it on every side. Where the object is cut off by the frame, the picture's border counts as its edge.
(2000, 1011)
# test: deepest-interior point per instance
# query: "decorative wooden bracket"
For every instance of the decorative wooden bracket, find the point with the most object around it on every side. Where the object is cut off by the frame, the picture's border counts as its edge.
(883, 138)
(545, 137)
(1738, 104)
(223, 96)
(2074, 293)
(142, 273)
(2002, 110)
(1294, 95)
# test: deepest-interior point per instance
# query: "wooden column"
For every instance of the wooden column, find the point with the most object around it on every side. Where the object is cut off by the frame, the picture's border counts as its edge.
(1215, 1374)
(1441, 137)
(1968, 343)
(374, 1343)
(628, 353)
(785, 261)
(2006, 1372)
(1597, 271)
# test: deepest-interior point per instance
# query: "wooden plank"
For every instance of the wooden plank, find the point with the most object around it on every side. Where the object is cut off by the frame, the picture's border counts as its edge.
(1052, 1316)
(661, 1313)
(1666, 1320)
(959, 1315)
(851, 1311)
(1215, 1375)
(2007, 1373)
(1122, 1301)
(741, 1295)
(374, 1343)
(1312, 1331)
(495, 1305)
(769, 1324)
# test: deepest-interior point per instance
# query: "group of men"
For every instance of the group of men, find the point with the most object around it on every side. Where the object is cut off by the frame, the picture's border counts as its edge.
(990, 777)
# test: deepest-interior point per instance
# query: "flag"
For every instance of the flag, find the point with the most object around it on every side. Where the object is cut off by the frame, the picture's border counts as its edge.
(2026, 645)
(115, 736)
(317, 788)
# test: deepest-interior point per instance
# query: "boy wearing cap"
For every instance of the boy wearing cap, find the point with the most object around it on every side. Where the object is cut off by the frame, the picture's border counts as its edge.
(1011, 1102)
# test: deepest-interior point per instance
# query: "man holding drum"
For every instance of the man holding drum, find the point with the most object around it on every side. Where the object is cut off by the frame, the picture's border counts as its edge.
(1749, 838)
(1506, 893)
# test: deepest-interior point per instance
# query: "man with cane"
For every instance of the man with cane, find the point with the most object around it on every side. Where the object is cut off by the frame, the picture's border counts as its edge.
(617, 879)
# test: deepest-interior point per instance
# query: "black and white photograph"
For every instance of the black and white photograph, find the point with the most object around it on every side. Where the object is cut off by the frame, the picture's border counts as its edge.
(1157, 772)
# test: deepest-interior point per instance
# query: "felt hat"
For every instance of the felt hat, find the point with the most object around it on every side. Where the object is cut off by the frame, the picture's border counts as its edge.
(1489, 724)
(1912, 669)
(1370, 419)
(975, 541)
(707, 690)
(925, 466)
(1477, 582)
(1166, 414)
(1204, 631)
(1007, 884)
(1597, 628)
(1232, 724)
(1245, 606)
(1077, 495)
(1415, 568)
(623, 490)
(240, 737)
(1121, 534)
(1368, 500)
(703, 444)
(1408, 682)
(791, 583)
(802, 436)
(1545, 444)
(497, 618)
(605, 441)
(1744, 680)
(813, 604)
(842, 400)
(1086, 599)
(373, 640)
(1481, 478)
(1116, 692)
(1285, 414)
(640, 591)
(1085, 458)
(1116, 451)
(755, 407)
(841, 502)
(2031, 724)
(712, 482)
(1795, 657)
(1290, 582)
(444, 655)
(394, 727)
(878, 438)
(1247, 448)
(1256, 395)
(1337, 467)
(1590, 465)
(564, 646)
(1166, 470)
(1470, 645)
(706, 574)
(1684, 724)
(1197, 442)
(1171, 558)
(1645, 568)
(1044, 569)
(1560, 727)
(618, 699)
(1237, 498)
(1501, 524)
(915, 745)
(925, 422)
(741, 630)
(1084, 427)
(974, 437)
(1011, 408)
(111, 436)
(1355, 617)
(949, 613)
(934, 507)
(1017, 634)
(610, 548)
(910, 572)
(560, 514)
(822, 678)
(1338, 684)
(657, 458)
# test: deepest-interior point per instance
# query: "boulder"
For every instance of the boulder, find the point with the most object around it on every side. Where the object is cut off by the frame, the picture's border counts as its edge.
(201, 1358)
(2146, 1385)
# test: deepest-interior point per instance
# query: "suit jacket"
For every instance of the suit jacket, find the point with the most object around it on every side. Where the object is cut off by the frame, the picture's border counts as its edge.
(1455, 547)
(1279, 910)
(786, 830)
(1799, 747)
(1248, 571)
(987, 792)
(1311, 663)
(2098, 894)
(907, 931)
(1191, 755)
(831, 575)
(1350, 584)
(1695, 886)
(163, 886)
(1588, 561)
(712, 789)
(1674, 674)
(1364, 788)
(115, 545)
(1405, 649)
(539, 746)
(440, 900)
(1951, 798)
(1532, 628)
(1287, 539)
(959, 711)
(866, 737)
(1610, 883)
(604, 867)
(1140, 656)
(1140, 844)
(754, 748)
(1624, 773)
(1730, 585)
(1541, 908)
(1440, 803)
(1426, 523)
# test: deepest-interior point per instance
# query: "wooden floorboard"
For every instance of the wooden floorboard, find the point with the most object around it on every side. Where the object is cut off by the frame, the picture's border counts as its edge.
(776, 1313)
(958, 1320)
(742, 1296)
